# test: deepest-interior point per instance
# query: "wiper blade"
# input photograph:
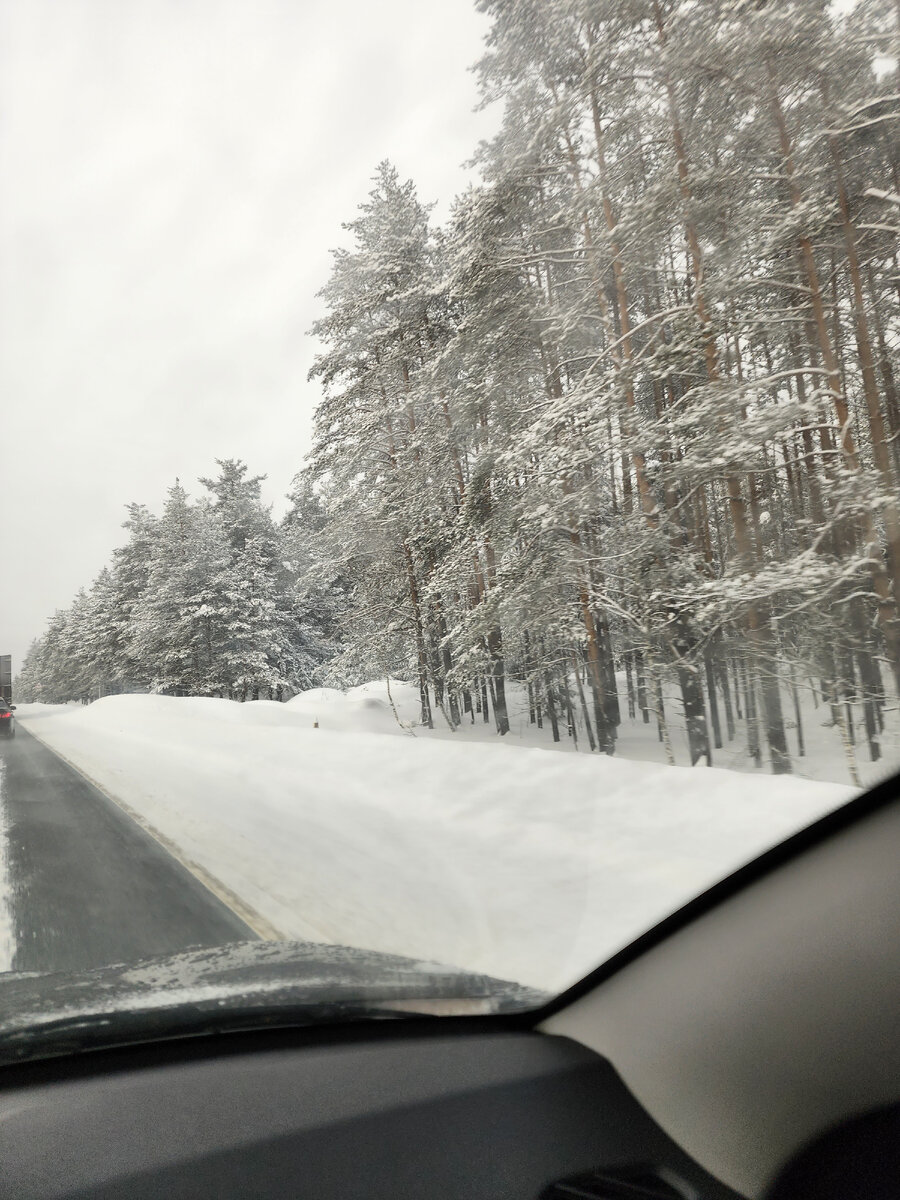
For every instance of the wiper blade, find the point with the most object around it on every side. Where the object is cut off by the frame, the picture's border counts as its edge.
(50, 1038)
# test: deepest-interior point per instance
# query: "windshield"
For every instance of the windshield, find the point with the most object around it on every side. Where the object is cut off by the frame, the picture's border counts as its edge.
(451, 516)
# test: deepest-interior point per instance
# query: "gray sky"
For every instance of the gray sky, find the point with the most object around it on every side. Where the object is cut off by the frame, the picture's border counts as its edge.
(174, 173)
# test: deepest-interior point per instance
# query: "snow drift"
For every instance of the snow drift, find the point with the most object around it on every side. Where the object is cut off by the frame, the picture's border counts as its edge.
(333, 824)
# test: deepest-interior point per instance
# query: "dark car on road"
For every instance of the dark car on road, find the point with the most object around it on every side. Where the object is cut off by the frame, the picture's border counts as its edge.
(7, 720)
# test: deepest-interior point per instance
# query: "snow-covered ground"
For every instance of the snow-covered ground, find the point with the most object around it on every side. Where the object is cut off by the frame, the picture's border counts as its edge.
(333, 823)
(6, 922)
(824, 758)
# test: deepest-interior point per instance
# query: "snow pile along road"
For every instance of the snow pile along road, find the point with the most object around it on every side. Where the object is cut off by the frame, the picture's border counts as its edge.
(7, 937)
(523, 863)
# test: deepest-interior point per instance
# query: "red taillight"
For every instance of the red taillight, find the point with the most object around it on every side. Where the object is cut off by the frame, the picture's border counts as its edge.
(5, 716)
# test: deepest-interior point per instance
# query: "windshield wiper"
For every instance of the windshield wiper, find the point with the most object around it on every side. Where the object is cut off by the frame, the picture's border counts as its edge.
(244, 986)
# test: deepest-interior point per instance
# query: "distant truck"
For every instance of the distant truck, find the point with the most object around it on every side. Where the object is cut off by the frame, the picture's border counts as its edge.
(6, 678)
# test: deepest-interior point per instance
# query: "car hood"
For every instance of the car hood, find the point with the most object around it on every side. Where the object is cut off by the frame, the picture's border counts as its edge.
(245, 985)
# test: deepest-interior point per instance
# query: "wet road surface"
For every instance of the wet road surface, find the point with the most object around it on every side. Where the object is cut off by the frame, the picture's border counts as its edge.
(88, 886)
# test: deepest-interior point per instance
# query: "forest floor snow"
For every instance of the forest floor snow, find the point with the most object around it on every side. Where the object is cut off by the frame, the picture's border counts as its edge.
(334, 824)
(824, 758)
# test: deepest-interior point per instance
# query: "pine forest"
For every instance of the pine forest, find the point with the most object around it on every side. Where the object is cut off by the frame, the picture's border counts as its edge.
(621, 436)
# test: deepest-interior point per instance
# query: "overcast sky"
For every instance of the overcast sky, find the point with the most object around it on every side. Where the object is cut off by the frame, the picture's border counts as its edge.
(174, 173)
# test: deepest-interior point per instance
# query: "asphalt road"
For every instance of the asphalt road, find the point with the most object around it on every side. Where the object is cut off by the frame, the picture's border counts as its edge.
(89, 886)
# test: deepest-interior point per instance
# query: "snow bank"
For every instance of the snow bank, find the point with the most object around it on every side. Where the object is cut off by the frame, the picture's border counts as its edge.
(520, 862)
(7, 941)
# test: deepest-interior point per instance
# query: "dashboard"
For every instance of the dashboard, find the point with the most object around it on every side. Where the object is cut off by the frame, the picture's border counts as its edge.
(383, 1111)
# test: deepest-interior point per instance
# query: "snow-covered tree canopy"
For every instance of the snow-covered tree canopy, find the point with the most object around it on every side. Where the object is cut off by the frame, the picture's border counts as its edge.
(631, 416)
(200, 601)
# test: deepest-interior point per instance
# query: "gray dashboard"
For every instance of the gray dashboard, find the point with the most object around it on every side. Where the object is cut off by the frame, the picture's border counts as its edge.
(492, 1115)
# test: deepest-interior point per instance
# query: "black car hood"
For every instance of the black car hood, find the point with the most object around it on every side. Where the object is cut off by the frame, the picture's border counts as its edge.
(245, 985)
